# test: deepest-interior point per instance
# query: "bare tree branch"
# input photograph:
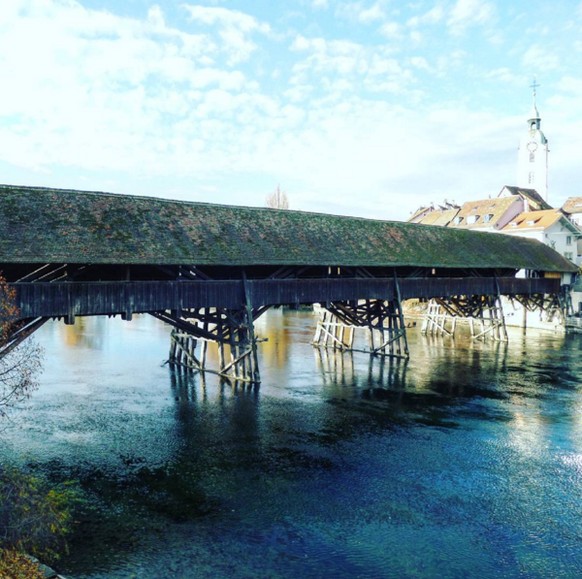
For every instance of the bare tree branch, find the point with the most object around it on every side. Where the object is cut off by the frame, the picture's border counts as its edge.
(19, 368)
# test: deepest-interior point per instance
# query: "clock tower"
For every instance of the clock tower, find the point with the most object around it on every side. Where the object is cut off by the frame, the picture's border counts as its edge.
(532, 163)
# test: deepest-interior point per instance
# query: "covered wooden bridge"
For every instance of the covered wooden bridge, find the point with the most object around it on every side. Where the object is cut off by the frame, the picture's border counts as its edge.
(211, 270)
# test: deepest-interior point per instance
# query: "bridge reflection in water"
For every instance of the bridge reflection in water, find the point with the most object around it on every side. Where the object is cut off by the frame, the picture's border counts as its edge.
(285, 333)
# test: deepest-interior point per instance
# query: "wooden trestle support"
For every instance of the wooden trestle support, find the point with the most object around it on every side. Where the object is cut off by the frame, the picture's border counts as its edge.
(232, 331)
(483, 313)
(383, 320)
(550, 307)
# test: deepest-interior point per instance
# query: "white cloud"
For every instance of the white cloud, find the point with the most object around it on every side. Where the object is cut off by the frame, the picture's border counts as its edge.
(363, 12)
(371, 14)
(416, 37)
(301, 43)
(342, 67)
(538, 58)
(330, 115)
(98, 91)
(504, 75)
(235, 29)
(420, 62)
(326, 58)
(431, 17)
(226, 18)
(156, 16)
(468, 13)
(391, 30)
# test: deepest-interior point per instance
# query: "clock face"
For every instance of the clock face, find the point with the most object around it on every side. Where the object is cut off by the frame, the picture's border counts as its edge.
(532, 146)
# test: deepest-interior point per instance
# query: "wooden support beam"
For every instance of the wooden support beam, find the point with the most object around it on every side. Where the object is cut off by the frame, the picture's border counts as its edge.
(20, 332)
(339, 321)
(231, 329)
(487, 311)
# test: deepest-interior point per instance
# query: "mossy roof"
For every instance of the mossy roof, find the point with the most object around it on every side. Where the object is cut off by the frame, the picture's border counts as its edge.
(40, 225)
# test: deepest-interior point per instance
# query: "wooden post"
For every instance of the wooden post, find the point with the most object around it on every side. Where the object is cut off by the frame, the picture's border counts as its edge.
(220, 335)
(402, 323)
(220, 325)
(254, 360)
(380, 319)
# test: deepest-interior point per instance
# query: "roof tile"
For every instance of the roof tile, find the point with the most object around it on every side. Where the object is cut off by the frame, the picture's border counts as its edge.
(40, 225)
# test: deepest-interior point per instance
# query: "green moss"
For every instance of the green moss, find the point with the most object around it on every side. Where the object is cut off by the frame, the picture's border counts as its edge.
(48, 225)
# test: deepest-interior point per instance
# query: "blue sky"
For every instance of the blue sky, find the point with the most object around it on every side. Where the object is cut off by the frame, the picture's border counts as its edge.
(368, 107)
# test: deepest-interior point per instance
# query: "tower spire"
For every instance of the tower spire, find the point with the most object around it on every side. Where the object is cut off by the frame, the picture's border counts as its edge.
(533, 152)
(534, 85)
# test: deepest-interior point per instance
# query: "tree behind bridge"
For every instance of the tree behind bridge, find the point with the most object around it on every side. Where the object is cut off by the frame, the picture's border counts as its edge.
(277, 199)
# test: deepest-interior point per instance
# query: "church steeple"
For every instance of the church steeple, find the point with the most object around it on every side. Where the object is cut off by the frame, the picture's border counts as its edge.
(532, 171)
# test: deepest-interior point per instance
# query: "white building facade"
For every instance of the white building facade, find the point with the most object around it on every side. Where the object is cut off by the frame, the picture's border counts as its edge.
(551, 227)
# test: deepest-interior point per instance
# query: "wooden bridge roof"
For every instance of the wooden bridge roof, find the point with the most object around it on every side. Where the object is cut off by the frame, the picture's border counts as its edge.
(40, 225)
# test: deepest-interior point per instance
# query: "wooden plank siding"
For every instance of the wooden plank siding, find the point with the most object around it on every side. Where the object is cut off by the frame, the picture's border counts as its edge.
(62, 299)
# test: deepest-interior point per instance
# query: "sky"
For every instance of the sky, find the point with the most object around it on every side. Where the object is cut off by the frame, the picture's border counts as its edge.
(369, 108)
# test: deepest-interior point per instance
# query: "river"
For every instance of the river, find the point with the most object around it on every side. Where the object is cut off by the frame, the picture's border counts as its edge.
(464, 462)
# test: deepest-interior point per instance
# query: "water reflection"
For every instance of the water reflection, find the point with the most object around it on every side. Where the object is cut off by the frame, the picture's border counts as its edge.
(189, 386)
(85, 332)
(373, 378)
(278, 335)
(462, 461)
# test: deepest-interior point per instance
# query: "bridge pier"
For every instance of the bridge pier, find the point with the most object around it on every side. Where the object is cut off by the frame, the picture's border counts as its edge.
(231, 330)
(547, 311)
(483, 313)
(382, 319)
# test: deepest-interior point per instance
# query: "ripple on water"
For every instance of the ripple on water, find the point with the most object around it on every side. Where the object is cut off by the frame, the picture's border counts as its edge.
(463, 462)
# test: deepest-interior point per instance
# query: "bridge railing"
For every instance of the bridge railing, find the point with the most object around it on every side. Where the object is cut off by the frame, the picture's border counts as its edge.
(63, 299)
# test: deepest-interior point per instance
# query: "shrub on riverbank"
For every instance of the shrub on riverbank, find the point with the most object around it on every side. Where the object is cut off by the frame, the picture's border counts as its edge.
(35, 518)
(15, 565)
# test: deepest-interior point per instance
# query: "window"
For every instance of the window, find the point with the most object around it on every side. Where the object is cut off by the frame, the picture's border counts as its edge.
(532, 157)
(569, 255)
(472, 219)
(457, 220)
(530, 177)
(488, 218)
(568, 240)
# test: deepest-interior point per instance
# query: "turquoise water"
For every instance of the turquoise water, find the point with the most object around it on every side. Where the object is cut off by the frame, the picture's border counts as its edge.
(464, 462)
